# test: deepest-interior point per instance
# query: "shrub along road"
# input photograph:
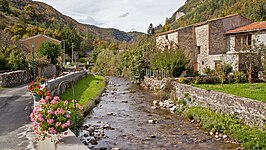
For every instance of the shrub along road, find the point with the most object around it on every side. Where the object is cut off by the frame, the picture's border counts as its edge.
(15, 107)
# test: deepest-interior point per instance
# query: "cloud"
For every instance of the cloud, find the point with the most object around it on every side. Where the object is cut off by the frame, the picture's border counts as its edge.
(90, 20)
(109, 13)
(124, 15)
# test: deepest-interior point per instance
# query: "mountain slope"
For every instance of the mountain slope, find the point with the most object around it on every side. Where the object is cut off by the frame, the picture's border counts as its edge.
(44, 16)
(201, 10)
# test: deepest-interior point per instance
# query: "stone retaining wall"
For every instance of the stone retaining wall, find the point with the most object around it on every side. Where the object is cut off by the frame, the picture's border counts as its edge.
(251, 111)
(14, 78)
(67, 80)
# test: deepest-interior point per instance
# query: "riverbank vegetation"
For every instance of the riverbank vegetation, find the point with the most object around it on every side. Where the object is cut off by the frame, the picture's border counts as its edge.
(132, 61)
(250, 138)
(86, 89)
(256, 91)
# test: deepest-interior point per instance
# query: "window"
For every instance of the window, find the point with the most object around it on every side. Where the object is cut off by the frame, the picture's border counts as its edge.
(166, 37)
(242, 41)
(166, 47)
(198, 49)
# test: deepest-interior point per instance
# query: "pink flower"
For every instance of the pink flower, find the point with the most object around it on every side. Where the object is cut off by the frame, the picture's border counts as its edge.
(43, 101)
(39, 115)
(50, 121)
(50, 112)
(56, 98)
(52, 131)
(40, 119)
(54, 102)
(66, 102)
(63, 126)
(67, 123)
(68, 116)
(58, 124)
(48, 98)
(36, 109)
(35, 124)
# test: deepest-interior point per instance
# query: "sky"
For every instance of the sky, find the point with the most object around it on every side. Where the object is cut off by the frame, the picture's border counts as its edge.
(125, 15)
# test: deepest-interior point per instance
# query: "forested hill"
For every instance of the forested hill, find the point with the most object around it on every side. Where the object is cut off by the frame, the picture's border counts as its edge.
(24, 18)
(194, 11)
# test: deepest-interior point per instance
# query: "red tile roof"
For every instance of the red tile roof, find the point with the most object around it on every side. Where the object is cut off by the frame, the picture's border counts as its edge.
(256, 26)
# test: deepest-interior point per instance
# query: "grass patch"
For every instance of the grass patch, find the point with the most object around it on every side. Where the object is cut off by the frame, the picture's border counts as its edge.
(86, 89)
(250, 138)
(257, 90)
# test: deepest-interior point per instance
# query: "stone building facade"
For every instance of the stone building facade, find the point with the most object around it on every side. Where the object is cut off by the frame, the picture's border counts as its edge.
(210, 43)
(181, 38)
(239, 39)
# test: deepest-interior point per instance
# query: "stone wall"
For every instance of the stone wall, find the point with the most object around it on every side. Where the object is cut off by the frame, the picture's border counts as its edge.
(47, 71)
(252, 112)
(11, 79)
(67, 79)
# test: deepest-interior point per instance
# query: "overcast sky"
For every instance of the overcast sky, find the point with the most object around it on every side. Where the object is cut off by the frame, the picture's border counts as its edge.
(126, 15)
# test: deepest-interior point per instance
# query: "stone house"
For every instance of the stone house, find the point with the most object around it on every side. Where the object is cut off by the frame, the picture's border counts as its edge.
(47, 70)
(210, 40)
(181, 38)
(207, 43)
(241, 38)
(37, 40)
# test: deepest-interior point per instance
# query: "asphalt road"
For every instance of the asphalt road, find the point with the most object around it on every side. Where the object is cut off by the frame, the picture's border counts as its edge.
(15, 108)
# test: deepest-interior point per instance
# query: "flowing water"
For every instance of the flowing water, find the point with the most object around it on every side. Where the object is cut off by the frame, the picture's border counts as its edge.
(120, 121)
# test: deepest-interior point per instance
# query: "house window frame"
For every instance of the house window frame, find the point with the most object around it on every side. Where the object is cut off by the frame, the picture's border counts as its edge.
(242, 41)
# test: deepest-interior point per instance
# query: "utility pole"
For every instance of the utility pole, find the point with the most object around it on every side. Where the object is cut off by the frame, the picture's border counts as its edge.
(72, 52)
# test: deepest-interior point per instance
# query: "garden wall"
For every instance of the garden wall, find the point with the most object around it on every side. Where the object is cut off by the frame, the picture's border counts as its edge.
(67, 80)
(251, 111)
(14, 78)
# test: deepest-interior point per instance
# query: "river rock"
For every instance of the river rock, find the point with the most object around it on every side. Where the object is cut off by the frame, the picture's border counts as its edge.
(155, 102)
(153, 107)
(152, 121)
(90, 129)
(173, 109)
(225, 136)
(211, 133)
(93, 142)
(115, 149)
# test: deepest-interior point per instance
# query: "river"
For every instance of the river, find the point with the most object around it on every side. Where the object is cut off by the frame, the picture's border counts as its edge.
(124, 120)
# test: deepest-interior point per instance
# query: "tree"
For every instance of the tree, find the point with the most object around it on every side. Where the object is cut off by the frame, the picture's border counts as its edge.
(30, 11)
(17, 60)
(166, 25)
(51, 50)
(4, 6)
(150, 30)
(173, 60)
(253, 58)
(71, 36)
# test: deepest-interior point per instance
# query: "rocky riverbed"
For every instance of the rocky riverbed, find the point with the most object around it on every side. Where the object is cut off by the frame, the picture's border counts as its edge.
(129, 117)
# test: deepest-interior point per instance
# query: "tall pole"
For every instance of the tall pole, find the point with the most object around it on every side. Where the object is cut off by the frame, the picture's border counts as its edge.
(64, 51)
(33, 69)
(72, 52)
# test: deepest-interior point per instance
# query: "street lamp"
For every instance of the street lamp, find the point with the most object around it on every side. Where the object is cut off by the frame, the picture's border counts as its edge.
(33, 69)
(64, 51)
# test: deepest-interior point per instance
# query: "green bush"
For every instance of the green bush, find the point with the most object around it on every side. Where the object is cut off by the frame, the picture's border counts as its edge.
(239, 77)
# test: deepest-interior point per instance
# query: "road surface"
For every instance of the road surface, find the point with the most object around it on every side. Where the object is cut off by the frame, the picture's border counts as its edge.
(15, 106)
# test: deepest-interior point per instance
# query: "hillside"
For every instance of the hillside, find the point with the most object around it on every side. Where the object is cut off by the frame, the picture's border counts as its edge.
(201, 10)
(37, 17)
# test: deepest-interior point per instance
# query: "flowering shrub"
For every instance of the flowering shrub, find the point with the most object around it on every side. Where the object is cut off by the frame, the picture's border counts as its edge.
(40, 79)
(34, 87)
(51, 117)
